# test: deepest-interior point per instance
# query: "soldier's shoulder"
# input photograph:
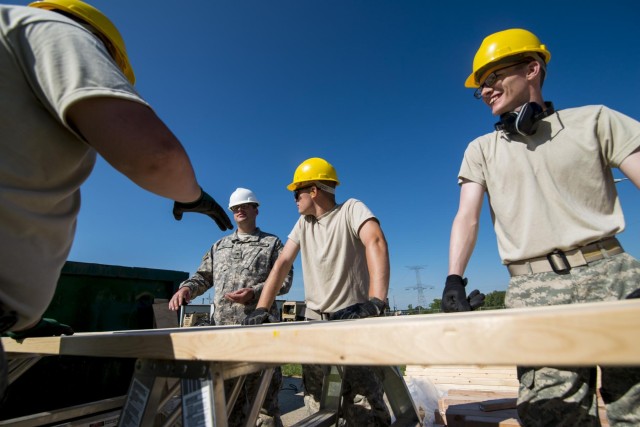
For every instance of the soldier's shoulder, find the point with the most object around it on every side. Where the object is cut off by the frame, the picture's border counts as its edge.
(265, 235)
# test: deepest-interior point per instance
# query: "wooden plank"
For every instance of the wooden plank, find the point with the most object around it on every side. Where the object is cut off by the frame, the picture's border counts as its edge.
(459, 372)
(477, 397)
(506, 369)
(498, 404)
(475, 421)
(64, 414)
(606, 333)
(475, 380)
(471, 387)
(479, 394)
(463, 374)
(445, 402)
(457, 415)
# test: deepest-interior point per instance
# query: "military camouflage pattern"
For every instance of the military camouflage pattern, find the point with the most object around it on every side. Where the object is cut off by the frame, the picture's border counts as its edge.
(363, 402)
(269, 415)
(567, 396)
(235, 262)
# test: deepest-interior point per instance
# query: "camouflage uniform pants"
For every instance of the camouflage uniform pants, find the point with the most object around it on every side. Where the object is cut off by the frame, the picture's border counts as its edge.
(566, 396)
(363, 402)
(269, 413)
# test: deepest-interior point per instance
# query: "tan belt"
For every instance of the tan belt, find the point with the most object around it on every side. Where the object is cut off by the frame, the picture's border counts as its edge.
(563, 261)
(311, 314)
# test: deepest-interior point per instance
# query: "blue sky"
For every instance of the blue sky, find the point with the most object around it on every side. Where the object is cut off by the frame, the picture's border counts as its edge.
(254, 87)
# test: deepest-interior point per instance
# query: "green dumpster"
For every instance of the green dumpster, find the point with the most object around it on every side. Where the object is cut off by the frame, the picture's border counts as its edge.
(91, 298)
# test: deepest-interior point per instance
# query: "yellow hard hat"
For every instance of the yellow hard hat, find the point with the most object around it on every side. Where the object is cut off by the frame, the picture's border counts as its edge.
(501, 45)
(100, 23)
(313, 169)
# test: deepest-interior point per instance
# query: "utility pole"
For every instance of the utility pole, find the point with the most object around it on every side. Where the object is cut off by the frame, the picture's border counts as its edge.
(419, 286)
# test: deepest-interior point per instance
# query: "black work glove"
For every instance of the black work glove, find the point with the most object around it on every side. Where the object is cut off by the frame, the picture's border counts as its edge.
(373, 307)
(258, 317)
(454, 297)
(634, 294)
(204, 205)
(44, 328)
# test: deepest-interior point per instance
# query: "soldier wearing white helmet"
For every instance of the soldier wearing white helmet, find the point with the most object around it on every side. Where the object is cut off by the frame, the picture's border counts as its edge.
(237, 267)
(242, 196)
(556, 212)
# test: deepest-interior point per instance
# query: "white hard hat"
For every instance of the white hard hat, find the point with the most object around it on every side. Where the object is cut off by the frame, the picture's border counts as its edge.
(242, 196)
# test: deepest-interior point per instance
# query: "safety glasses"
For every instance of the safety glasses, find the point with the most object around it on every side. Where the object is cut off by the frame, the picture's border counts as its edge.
(296, 192)
(493, 78)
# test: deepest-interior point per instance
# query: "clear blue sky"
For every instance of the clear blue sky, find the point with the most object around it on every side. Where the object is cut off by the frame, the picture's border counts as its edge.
(254, 87)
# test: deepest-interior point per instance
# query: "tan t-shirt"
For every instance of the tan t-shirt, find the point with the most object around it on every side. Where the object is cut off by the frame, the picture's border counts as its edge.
(47, 62)
(555, 189)
(334, 264)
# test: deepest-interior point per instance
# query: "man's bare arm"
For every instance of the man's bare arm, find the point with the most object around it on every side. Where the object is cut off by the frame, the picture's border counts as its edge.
(133, 139)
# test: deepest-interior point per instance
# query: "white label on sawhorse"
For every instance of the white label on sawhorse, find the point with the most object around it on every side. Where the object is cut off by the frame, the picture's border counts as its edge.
(196, 408)
(136, 402)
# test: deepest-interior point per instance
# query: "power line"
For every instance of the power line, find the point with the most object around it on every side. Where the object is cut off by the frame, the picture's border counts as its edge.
(419, 286)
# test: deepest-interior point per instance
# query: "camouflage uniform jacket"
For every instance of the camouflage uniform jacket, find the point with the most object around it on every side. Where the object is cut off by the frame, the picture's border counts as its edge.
(235, 262)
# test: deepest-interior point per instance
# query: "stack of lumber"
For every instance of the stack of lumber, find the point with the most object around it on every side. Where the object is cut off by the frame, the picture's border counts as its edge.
(475, 395)
(498, 378)
(477, 408)
(472, 395)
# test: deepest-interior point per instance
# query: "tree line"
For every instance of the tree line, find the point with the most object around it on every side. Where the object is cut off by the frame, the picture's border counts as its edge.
(493, 301)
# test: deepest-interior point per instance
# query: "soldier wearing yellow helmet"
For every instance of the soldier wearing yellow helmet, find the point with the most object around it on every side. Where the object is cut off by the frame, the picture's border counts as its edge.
(345, 266)
(98, 23)
(67, 95)
(556, 213)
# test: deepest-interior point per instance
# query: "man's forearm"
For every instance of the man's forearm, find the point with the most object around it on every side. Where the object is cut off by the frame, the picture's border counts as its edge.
(464, 233)
(273, 285)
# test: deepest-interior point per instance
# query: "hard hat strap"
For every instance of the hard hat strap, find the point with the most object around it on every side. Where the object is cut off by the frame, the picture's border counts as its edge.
(324, 187)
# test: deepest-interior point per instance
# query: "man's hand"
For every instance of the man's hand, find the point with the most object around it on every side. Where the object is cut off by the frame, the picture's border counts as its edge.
(44, 328)
(241, 296)
(204, 205)
(454, 297)
(258, 317)
(181, 297)
(373, 307)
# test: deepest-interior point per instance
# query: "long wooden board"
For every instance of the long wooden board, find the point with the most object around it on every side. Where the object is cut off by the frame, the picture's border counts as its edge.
(605, 333)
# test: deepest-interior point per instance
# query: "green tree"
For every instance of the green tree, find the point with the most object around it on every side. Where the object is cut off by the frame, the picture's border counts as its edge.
(436, 305)
(494, 300)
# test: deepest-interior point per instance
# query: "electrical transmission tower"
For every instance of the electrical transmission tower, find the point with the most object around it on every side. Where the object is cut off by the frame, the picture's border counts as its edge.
(419, 286)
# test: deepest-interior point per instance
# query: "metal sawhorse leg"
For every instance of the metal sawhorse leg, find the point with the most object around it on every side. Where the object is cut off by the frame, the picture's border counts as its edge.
(203, 400)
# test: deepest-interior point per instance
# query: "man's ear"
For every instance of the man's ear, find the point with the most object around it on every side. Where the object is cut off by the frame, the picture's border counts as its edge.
(534, 68)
